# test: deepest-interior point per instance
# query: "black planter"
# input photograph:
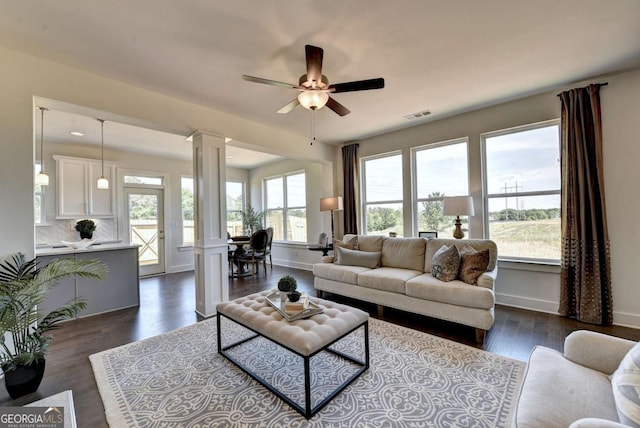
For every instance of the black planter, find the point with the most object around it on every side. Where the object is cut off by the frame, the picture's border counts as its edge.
(24, 379)
(86, 235)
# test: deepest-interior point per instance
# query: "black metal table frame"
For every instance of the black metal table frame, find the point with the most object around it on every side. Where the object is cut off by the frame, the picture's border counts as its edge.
(307, 411)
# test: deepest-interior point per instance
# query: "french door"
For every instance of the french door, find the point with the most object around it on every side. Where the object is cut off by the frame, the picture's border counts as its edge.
(145, 225)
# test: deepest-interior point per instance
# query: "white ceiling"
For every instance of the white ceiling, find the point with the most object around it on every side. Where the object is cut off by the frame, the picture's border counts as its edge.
(439, 55)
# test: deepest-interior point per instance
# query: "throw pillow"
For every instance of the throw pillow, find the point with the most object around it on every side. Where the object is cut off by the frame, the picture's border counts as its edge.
(348, 257)
(473, 263)
(626, 388)
(351, 244)
(445, 263)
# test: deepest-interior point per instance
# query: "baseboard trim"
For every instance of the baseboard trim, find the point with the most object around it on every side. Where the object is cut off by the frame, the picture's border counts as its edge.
(181, 268)
(621, 319)
(293, 264)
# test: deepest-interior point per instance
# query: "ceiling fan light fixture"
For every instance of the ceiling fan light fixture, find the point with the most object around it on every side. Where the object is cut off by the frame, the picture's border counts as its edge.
(313, 100)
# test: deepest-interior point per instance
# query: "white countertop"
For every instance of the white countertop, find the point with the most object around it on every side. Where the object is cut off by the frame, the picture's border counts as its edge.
(48, 251)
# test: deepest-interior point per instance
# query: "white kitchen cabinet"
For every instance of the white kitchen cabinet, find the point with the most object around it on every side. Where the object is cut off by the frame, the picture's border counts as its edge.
(77, 191)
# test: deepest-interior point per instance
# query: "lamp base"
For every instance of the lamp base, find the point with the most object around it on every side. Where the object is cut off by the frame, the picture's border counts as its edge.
(458, 233)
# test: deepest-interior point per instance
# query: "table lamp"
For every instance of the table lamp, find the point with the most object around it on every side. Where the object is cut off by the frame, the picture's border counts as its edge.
(332, 204)
(457, 206)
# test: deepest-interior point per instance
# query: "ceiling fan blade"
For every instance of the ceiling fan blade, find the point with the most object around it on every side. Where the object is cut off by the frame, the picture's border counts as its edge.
(269, 82)
(337, 107)
(314, 63)
(360, 85)
(286, 109)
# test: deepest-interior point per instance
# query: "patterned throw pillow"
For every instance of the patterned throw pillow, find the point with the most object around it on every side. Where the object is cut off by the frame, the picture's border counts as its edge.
(626, 388)
(473, 263)
(445, 263)
(351, 244)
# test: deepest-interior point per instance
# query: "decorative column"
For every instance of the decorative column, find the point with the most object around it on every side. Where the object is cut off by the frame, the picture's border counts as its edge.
(210, 211)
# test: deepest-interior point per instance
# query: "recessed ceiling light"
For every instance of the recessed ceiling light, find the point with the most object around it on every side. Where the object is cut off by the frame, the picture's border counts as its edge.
(76, 133)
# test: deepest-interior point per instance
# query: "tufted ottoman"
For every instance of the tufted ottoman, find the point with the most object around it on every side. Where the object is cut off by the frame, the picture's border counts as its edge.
(304, 338)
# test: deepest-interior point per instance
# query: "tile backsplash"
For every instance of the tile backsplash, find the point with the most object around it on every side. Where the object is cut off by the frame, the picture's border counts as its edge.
(63, 230)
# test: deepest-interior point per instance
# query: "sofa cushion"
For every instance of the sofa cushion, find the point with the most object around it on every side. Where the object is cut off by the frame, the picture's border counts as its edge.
(387, 278)
(434, 245)
(455, 292)
(367, 242)
(473, 263)
(369, 259)
(556, 392)
(346, 274)
(626, 388)
(351, 244)
(404, 253)
(445, 263)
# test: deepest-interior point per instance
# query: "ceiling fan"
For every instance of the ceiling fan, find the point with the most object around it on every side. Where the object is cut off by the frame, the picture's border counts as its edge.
(314, 86)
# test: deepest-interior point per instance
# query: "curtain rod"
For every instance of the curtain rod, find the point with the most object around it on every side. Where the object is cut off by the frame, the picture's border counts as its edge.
(598, 84)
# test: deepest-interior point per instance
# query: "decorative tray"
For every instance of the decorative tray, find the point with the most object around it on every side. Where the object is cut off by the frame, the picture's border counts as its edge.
(308, 308)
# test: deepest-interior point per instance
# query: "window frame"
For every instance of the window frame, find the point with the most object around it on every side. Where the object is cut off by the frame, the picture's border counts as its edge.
(363, 187)
(182, 220)
(486, 196)
(285, 208)
(243, 204)
(414, 177)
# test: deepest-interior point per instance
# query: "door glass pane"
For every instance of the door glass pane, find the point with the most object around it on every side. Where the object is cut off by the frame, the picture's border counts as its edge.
(143, 219)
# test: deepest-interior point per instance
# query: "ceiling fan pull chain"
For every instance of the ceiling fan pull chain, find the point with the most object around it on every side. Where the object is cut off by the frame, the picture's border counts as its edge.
(313, 126)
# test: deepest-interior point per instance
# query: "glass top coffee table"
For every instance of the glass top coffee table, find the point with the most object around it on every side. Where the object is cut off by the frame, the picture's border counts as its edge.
(339, 335)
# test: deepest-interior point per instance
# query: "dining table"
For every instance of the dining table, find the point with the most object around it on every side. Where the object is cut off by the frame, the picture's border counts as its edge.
(240, 268)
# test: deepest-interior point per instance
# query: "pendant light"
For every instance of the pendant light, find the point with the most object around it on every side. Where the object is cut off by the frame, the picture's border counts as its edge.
(103, 183)
(42, 179)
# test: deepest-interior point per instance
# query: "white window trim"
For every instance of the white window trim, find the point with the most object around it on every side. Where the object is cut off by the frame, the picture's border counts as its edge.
(510, 260)
(285, 207)
(414, 177)
(363, 187)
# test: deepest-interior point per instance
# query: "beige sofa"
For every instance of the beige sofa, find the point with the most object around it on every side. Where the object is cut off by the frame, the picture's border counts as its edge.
(403, 280)
(574, 388)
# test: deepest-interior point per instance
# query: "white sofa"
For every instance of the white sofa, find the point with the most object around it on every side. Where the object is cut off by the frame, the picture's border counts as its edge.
(403, 280)
(574, 388)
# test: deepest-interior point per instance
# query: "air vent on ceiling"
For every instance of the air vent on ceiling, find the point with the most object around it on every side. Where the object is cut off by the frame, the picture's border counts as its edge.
(418, 115)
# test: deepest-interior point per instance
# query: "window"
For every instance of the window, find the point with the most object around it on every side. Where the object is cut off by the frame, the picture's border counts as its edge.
(440, 170)
(522, 187)
(38, 198)
(382, 194)
(286, 207)
(142, 179)
(235, 206)
(188, 231)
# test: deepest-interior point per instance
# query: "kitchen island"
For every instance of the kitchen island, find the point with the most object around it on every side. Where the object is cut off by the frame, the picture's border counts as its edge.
(120, 290)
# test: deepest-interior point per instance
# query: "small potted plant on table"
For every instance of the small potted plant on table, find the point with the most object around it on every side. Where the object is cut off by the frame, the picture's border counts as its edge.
(288, 285)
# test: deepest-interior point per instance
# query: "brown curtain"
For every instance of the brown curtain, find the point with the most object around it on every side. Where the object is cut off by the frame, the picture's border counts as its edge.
(586, 266)
(350, 171)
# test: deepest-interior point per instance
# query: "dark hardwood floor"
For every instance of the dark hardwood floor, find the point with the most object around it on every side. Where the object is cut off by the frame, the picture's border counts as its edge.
(168, 302)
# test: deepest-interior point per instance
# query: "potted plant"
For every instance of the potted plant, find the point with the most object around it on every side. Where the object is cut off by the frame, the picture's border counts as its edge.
(86, 228)
(288, 285)
(252, 219)
(23, 328)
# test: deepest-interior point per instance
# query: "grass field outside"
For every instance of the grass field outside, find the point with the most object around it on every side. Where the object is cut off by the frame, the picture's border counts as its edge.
(536, 239)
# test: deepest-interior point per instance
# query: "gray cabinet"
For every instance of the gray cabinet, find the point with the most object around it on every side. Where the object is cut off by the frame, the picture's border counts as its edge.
(120, 290)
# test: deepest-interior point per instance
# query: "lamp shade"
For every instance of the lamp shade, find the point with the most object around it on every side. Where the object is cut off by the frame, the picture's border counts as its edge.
(331, 204)
(458, 205)
(313, 100)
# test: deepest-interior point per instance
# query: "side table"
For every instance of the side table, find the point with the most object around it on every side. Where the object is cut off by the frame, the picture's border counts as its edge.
(325, 250)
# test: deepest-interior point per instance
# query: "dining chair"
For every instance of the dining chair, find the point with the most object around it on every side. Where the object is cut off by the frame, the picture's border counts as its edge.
(267, 251)
(256, 253)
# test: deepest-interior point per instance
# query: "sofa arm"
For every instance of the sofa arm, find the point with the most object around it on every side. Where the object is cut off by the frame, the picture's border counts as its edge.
(327, 259)
(596, 423)
(488, 279)
(596, 351)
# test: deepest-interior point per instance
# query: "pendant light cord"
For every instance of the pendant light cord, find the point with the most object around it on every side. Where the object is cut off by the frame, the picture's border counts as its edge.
(313, 126)
(102, 138)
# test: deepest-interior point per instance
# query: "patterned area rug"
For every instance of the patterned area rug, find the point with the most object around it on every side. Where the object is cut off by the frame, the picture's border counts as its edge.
(178, 379)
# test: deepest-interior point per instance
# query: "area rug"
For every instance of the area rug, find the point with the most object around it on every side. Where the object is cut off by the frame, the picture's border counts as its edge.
(178, 379)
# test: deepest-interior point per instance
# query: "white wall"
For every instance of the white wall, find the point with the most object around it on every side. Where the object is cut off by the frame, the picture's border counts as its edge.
(23, 77)
(537, 287)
